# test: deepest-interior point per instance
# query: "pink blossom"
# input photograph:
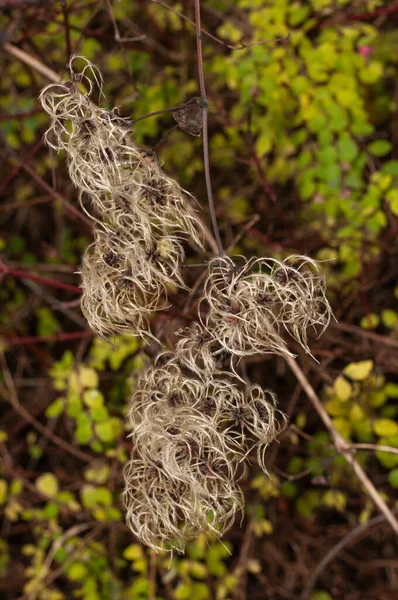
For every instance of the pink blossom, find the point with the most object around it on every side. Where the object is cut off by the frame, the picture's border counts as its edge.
(365, 50)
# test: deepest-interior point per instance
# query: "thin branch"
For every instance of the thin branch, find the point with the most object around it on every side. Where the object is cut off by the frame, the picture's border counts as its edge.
(4, 270)
(73, 211)
(355, 533)
(240, 570)
(56, 304)
(116, 31)
(371, 335)
(204, 105)
(23, 164)
(242, 46)
(68, 42)
(12, 398)
(58, 337)
(375, 447)
(57, 544)
(160, 112)
(341, 445)
(32, 61)
(152, 574)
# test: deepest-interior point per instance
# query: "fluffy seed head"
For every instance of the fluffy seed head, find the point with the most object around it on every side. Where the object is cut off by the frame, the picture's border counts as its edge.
(249, 304)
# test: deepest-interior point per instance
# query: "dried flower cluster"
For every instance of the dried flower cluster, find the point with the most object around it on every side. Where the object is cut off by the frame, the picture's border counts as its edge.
(142, 215)
(194, 420)
(191, 438)
(249, 304)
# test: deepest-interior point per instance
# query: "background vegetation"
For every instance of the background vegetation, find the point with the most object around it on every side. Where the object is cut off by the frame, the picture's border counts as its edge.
(304, 159)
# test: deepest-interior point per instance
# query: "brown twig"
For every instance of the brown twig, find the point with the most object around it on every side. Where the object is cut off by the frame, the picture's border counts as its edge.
(242, 46)
(341, 445)
(49, 282)
(58, 337)
(375, 447)
(152, 574)
(57, 544)
(353, 535)
(12, 397)
(380, 339)
(68, 42)
(204, 105)
(68, 205)
(239, 592)
(116, 31)
(32, 62)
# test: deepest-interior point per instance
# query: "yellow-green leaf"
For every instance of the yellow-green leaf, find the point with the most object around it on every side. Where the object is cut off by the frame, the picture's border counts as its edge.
(359, 371)
(385, 427)
(343, 427)
(392, 199)
(370, 321)
(3, 491)
(357, 414)
(88, 377)
(342, 388)
(133, 552)
(389, 317)
(47, 485)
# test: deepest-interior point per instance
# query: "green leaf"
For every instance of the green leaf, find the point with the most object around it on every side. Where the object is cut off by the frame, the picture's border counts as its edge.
(342, 388)
(359, 371)
(357, 414)
(88, 495)
(391, 168)
(99, 413)
(336, 408)
(98, 473)
(263, 144)
(198, 570)
(379, 147)
(88, 377)
(378, 398)
(104, 431)
(392, 199)
(307, 502)
(343, 427)
(103, 496)
(388, 459)
(47, 485)
(393, 478)
(83, 433)
(77, 571)
(385, 427)
(320, 595)
(391, 389)
(3, 491)
(370, 321)
(93, 398)
(55, 408)
(347, 148)
(289, 489)
(183, 592)
(335, 499)
(74, 405)
(389, 317)
(51, 510)
(133, 552)
(371, 72)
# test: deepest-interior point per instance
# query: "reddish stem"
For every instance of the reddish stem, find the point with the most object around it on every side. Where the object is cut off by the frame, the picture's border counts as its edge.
(58, 337)
(376, 13)
(49, 282)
